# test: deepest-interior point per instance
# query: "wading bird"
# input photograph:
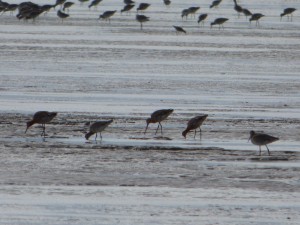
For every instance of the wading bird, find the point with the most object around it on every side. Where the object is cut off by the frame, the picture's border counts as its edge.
(287, 12)
(261, 139)
(194, 123)
(41, 117)
(142, 19)
(219, 21)
(157, 117)
(97, 127)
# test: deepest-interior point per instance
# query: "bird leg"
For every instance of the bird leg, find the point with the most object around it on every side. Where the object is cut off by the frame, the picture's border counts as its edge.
(260, 150)
(157, 128)
(100, 136)
(195, 134)
(268, 150)
(96, 137)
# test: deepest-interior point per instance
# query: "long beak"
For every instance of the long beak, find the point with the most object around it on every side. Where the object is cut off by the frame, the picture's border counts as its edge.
(249, 139)
(26, 130)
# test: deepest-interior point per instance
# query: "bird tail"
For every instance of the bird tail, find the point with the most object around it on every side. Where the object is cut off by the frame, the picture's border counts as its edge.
(87, 136)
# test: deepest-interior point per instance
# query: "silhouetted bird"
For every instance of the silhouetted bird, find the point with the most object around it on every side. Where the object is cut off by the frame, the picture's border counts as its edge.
(107, 14)
(287, 12)
(167, 2)
(219, 21)
(237, 8)
(46, 8)
(62, 15)
(142, 19)
(94, 3)
(202, 18)
(41, 117)
(142, 6)
(127, 8)
(67, 5)
(157, 117)
(256, 17)
(262, 139)
(128, 2)
(97, 127)
(193, 10)
(179, 29)
(215, 3)
(247, 12)
(59, 2)
(185, 13)
(194, 123)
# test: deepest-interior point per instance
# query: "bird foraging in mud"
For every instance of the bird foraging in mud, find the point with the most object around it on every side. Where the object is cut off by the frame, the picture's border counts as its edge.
(157, 117)
(97, 127)
(261, 139)
(41, 117)
(194, 123)
(142, 19)
(179, 30)
(219, 21)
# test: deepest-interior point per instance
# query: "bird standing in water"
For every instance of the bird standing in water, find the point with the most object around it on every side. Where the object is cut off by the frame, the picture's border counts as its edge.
(97, 127)
(157, 117)
(194, 123)
(41, 117)
(261, 139)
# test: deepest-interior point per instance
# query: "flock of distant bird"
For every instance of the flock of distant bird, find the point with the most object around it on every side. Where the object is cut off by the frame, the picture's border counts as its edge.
(44, 117)
(29, 10)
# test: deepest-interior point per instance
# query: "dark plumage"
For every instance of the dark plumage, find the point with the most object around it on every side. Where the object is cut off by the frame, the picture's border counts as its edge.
(193, 10)
(94, 3)
(262, 139)
(142, 19)
(41, 117)
(219, 21)
(167, 2)
(157, 117)
(128, 2)
(256, 17)
(179, 29)
(97, 127)
(194, 123)
(247, 12)
(185, 13)
(67, 5)
(62, 15)
(107, 14)
(237, 8)
(215, 3)
(127, 8)
(202, 18)
(287, 12)
(142, 6)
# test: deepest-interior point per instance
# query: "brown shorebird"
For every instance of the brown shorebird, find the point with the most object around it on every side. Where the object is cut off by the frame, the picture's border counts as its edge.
(107, 14)
(157, 117)
(215, 3)
(128, 2)
(261, 139)
(41, 117)
(193, 10)
(287, 12)
(127, 8)
(167, 2)
(94, 3)
(141, 19)
(67, 5)
(185, 13)
(247, 12)
(256, 17)
(201, 18)
(62, 15)
(97, 127)
(237, 8)
(219, 21)
(179, 29)
(194, 123)
(142, 6)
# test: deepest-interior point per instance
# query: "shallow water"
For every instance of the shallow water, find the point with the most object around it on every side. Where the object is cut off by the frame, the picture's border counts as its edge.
(244, 77)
